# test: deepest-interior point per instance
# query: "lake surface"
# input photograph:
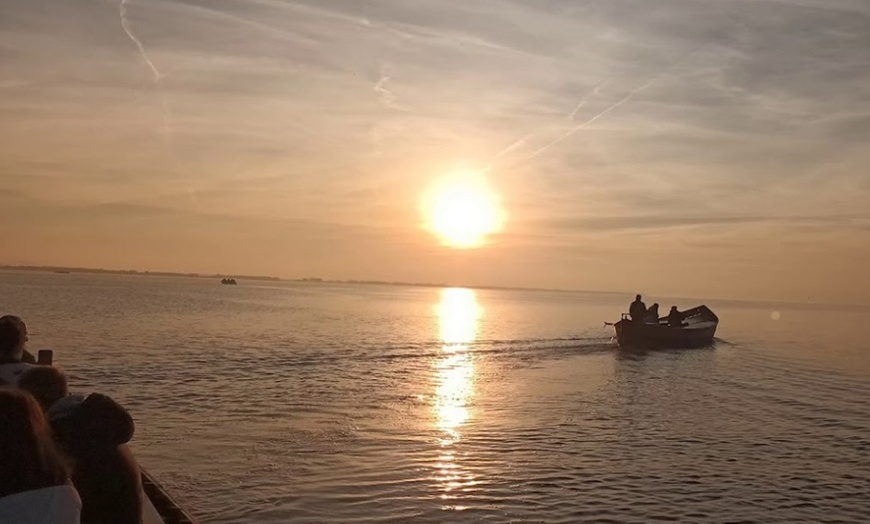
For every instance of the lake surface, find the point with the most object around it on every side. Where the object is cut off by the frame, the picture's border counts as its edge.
(273, 402)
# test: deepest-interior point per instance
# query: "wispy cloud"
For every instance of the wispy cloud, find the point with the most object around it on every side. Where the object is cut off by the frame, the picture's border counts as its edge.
(615, 119)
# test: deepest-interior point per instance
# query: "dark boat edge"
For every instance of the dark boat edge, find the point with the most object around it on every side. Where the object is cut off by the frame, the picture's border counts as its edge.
(168, 509)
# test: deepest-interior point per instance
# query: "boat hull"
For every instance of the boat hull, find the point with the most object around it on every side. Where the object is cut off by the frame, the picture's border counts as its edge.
(637, 335)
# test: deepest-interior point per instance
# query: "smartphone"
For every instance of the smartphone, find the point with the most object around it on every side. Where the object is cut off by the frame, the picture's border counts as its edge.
(44, 357)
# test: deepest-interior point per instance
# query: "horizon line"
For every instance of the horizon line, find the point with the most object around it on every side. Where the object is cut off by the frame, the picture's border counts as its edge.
(318, 280)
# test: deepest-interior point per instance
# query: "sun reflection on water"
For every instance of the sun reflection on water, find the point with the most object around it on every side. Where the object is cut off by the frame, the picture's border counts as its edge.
(458, 318)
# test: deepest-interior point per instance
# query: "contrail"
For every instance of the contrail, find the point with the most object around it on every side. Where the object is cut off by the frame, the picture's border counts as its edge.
(591, 120)
(522, 141)
(519, 143)
(610, 108)
(158, 76)
(593, 91)
(122, 12)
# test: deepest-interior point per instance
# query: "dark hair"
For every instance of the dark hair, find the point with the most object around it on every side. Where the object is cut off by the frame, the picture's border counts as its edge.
(637, 297)
(30, 458)
(13, 334)
(45, 383)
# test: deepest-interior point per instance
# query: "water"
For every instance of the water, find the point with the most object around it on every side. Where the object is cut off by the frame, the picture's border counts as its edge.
(279, 402)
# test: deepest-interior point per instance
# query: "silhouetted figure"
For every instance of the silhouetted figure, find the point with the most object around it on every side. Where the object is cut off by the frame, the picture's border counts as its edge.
(14, 359)
(637, 310)
(675, 318)
(94, 431)
(34, 475)
(652, 314)
(47, 385)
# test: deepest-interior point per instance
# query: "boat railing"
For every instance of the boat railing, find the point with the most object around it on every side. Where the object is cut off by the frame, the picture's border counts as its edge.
(169, 510)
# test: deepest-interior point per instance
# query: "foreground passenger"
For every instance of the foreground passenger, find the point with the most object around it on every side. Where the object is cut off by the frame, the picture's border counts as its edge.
(14, 359)
(34, 484)
(94, 431)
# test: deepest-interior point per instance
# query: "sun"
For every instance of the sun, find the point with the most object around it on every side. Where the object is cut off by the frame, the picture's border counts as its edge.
(462, 210)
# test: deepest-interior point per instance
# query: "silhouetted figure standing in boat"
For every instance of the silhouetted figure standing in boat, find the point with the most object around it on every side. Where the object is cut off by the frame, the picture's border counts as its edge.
(675, 318)
(637, 310)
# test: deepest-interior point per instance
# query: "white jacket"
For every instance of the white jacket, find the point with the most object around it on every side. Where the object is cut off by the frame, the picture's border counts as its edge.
(54, 505)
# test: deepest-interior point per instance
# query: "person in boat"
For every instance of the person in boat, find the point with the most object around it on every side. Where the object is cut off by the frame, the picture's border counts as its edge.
(94, 431)
(14, 358)
(652, 314)
(47, 385)
(637, 310)
(35, 481)
(675, 318)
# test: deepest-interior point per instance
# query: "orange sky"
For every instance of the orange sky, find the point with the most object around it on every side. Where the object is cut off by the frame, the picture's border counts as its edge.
(697, 148)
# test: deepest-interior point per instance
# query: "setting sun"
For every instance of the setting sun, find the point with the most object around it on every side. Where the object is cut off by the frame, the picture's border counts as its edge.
(462, 210)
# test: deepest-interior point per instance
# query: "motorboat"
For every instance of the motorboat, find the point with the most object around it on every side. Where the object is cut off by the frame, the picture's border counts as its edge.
(697, 329)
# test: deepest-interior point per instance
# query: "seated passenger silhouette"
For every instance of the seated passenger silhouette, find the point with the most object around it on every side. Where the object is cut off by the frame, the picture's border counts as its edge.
(675, 318)
(94, 431)
(14, 359)
(34, 474)
(652, 314)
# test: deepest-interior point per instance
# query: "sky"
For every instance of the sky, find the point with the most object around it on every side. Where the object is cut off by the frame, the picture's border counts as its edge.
(703, 148)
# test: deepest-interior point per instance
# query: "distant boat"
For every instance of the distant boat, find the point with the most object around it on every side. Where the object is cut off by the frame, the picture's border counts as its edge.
(697, 330)
(229, 281)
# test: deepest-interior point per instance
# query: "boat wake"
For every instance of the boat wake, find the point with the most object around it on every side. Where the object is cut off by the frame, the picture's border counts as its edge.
(519, 349)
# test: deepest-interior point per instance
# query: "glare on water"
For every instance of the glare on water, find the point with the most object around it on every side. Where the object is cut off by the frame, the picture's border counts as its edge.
(458, 316)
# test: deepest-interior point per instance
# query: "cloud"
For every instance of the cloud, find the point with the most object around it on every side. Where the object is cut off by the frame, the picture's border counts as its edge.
(592, 117)
(658, 222)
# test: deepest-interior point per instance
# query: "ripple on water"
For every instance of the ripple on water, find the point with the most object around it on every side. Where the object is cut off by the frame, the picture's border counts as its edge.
(294, 403)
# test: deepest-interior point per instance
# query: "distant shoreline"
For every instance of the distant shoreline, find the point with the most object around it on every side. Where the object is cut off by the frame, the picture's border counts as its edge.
(760, 303)
(310, 280)
(64, 270)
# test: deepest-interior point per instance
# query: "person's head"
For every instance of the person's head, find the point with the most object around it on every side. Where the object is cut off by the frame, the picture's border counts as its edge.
(45, 383)
(29, 456)
(673, 309)
(13, 335)
(638, 297)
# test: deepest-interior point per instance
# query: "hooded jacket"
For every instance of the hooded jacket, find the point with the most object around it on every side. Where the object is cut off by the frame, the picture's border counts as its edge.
(93, 431)
(54, 505)
(11, 371)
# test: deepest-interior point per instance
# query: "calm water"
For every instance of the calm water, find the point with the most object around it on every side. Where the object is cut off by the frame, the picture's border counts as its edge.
(282, 402)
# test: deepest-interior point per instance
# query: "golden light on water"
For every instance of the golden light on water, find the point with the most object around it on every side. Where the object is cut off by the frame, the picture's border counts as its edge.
(462, 210)
(456, 374)
(458, 318)
(458, 315)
